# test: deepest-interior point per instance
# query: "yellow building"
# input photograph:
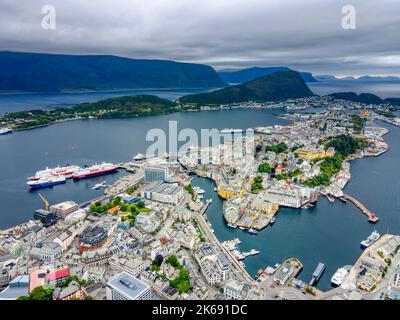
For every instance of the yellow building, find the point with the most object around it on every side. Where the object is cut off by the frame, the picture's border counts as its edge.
(227, 192)
(315, 154)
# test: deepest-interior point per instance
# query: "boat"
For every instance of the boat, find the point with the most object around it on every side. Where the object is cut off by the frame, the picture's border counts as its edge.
(46, 182)
(99, 185)
(93, 171)
(319, 270)
(139, 157)
(66, 172)
(4, 131)
(215, 189)
(272, 221)
(339, 276)
(372, 238)
(253, 252)
(232, 226)
(330, 198)
(252, 231)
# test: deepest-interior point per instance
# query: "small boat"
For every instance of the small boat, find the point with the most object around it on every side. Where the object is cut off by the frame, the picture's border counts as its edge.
(4, 131)
(339, 276)
(373, 237)
(139, 157)
(99, 185)
(253, 252)
(272, 221)
(215, 189)
(330, 198)
(252, 231)
(242, 228)
(232, 226)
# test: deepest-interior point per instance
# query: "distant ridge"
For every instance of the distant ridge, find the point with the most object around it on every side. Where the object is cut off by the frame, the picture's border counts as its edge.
(245, 75)
(36, 72)
(274, 87)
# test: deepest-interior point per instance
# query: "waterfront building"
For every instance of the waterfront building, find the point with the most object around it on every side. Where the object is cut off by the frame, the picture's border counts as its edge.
(263, 205)
(390, 246)
(63, 209)
(45, 217)
(226, 191)
(291, 196)
(76, 216)
(236, 290)
(213, 265)
(156, 173)
(396, 278)
(126, 287)
(283, 274)
(163, 192)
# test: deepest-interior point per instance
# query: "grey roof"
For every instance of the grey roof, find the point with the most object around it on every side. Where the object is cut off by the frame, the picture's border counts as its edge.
(128, 285)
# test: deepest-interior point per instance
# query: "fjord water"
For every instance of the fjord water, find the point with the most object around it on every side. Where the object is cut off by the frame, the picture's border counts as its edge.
(86, 142)
(329, 233)
(12, 102)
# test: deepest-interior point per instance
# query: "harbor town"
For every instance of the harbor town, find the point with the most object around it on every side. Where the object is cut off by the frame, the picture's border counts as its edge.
(148, 236)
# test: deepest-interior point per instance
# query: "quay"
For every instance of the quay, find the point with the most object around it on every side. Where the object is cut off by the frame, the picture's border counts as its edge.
(205, 226)
(370, 215)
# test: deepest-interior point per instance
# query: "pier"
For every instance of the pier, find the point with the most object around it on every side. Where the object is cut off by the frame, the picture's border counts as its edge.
(370, 215)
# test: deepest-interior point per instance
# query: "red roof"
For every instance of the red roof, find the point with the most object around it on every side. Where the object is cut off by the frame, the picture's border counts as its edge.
(61, 273)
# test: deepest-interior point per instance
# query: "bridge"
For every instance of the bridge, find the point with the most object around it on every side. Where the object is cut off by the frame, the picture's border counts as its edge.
(370, 215)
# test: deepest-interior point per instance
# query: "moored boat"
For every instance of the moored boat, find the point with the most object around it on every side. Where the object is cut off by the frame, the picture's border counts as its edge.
(372, 238)
(94, 171)
(46, 182)
(4, 131)
(339, 276)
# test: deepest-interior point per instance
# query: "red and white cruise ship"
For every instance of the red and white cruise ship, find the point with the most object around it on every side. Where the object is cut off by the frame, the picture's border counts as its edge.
(66, 171)
(93, 171)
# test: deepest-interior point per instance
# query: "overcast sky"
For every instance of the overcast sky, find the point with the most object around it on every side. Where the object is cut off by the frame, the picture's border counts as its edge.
(304, 34)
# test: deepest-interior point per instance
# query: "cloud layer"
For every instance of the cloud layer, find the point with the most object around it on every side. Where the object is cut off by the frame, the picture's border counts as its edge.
(303, 34)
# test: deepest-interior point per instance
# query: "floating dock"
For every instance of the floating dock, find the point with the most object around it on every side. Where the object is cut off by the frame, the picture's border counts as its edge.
(317, 273)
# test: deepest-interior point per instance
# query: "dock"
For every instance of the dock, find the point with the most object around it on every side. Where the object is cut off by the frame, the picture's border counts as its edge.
(370, 215)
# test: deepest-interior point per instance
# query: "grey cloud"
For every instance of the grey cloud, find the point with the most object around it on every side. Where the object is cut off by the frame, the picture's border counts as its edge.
(303, 34)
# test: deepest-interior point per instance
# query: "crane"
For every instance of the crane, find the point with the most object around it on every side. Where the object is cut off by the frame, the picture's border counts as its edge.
(46, 203)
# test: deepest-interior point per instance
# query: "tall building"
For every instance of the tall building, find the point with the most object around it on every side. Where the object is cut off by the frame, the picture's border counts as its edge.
(156, 173)
(126, 287)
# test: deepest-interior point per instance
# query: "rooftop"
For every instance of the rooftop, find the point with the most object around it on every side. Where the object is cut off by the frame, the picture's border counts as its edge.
(128, 285)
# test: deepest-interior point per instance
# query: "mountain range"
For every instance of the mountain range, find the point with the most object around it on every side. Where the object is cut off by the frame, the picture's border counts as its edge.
(363, 78)
(277, 86)
(35, 72)
(244, 75)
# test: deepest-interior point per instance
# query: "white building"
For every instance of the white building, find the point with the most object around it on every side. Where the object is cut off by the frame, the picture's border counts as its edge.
(126, 287)
(63, 209)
